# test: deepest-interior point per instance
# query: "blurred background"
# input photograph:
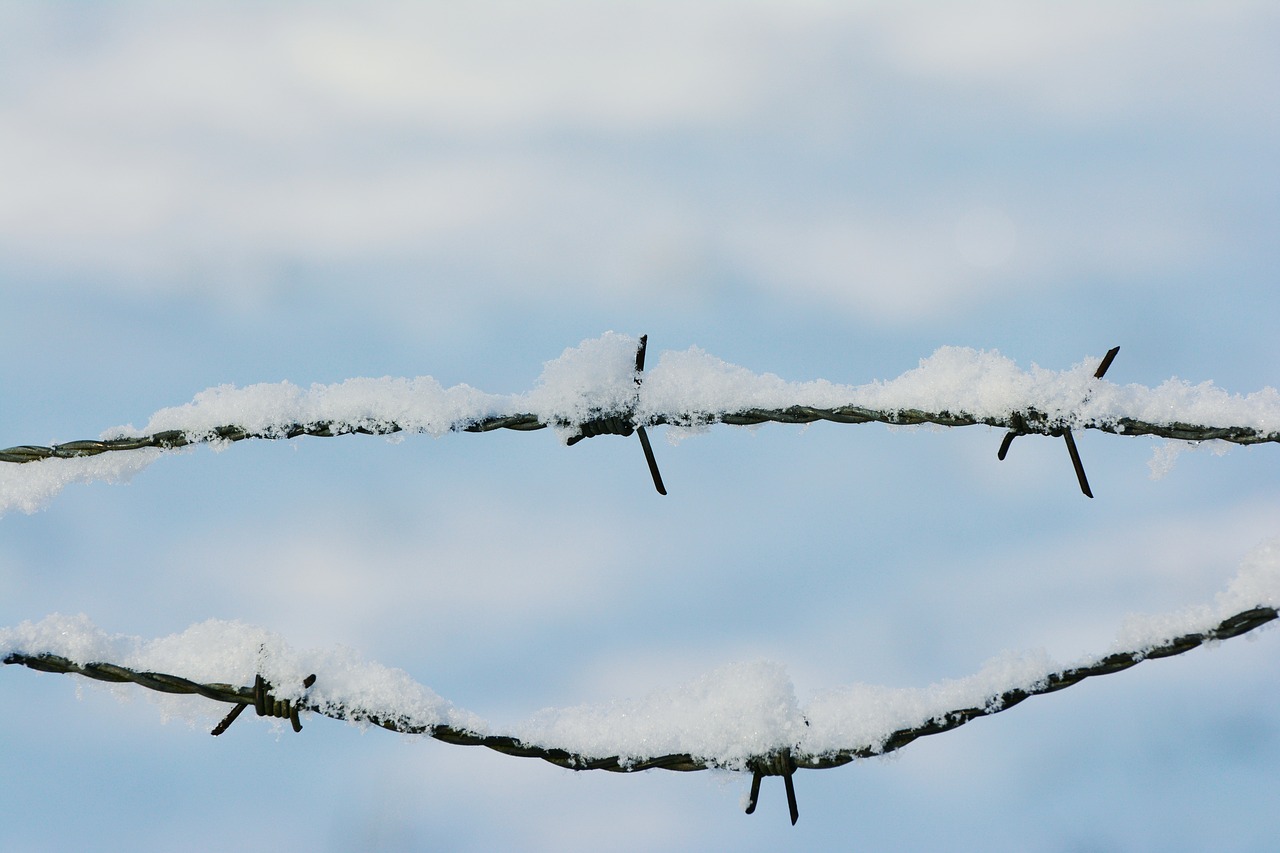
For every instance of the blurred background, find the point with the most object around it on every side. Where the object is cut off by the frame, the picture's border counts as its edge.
(200, 194)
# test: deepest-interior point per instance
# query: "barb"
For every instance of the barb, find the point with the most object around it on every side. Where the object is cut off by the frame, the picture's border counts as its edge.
(640, 431)
(1072, 451)
(625, 424)
(780, 763)
(266, 705)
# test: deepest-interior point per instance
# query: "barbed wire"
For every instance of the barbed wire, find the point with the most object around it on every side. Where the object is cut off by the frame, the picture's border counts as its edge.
(1024, 422)
(781, 762)
(627, 420)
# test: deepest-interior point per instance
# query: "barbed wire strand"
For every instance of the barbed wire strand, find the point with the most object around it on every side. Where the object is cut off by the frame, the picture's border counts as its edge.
(624, 421)
(783, 762)
(1025, 422)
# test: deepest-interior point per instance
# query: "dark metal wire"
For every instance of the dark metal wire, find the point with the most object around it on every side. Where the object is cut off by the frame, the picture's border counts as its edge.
(783, 762)
(1025, 422)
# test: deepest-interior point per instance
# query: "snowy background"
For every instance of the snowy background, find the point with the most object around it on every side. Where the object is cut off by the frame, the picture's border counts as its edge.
(196, 196)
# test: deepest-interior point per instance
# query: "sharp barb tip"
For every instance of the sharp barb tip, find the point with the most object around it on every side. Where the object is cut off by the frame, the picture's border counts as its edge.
(653, 463)
(1077, 464)
(1106, 362)
(1004, 444)
(754, 797)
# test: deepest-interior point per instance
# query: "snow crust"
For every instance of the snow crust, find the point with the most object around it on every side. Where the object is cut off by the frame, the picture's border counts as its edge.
(690, 387)
(725, 717)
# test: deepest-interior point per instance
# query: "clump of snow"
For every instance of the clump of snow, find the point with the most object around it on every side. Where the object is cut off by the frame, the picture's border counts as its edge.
(981, 383)
(1177, 401)
(419, 405)
(72, 637)
(695, 386)
(728, 716)
(594, 378)
(1166, 454)
(30, 486)
(1163, 458)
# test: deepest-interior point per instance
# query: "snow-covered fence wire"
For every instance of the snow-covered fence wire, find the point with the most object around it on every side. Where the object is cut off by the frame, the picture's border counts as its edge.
(598, 388)
(743, 718)
(871, 721)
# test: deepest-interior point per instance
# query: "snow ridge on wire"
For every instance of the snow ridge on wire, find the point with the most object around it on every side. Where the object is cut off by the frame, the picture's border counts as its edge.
(598, 388)
(996, 701)
(740, 717)
(597, 379)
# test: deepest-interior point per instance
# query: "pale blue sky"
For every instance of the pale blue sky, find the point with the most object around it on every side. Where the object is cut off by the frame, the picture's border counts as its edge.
(204, 194)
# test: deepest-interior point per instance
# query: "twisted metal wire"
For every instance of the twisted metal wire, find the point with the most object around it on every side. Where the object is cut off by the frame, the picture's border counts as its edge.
(1025, 422)
(780, 762)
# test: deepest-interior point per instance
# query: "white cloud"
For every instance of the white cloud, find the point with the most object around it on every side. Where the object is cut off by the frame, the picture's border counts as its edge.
(1086, 63)
(623, 66)
(197, 151)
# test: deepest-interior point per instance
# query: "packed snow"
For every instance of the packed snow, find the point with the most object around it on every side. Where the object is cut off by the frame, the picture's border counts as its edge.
(725, 717)
(691, 387)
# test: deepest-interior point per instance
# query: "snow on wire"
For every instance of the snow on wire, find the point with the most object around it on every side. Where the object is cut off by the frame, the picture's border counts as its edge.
(744, 717)
(596, 388)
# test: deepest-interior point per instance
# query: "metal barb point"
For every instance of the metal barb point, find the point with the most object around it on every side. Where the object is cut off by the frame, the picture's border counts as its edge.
(1017, 427)
(653, 463)
(782, 765)
(754, 796)
(1066, 432)
(228, 719)
(1070, 439)
(640, 431)
(266, 705)
(1004, 445)
(1106, 362)
(624, 424)
(1076, 463)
